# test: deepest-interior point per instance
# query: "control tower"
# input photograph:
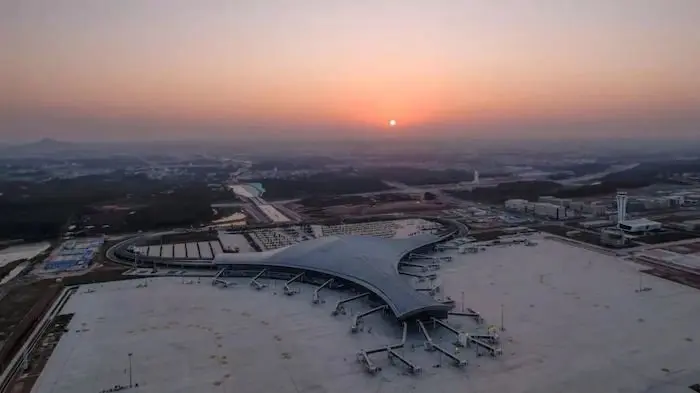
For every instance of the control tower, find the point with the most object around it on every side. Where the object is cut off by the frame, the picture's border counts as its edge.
(621, 199)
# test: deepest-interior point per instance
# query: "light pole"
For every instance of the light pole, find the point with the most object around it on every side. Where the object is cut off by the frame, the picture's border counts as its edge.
(130, 380)
(503, 327)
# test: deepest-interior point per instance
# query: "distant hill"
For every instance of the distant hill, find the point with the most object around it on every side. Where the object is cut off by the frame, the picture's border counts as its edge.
(42, 147)
(46, 143)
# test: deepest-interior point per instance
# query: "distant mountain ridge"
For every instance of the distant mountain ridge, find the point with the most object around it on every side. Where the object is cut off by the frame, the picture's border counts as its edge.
(48, 143)
(40, 147)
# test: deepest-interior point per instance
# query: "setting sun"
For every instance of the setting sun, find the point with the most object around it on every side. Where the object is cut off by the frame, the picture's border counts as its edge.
(392, 123)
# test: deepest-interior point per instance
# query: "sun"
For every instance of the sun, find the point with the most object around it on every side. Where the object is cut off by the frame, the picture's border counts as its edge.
(392, 123)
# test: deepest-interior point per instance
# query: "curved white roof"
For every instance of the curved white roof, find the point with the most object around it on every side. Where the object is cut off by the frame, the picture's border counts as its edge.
(370, 262)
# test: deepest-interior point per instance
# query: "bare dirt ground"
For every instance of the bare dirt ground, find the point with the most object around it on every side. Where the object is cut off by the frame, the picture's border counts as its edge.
(689, 279)
(38, 358)
(20, 309)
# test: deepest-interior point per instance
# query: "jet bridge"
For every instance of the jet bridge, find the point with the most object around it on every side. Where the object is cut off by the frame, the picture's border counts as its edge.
(469, 313)
(431, 346)
(491, 338)
(423, 268)
(449, 302)
(217, 278)
(357, 319)
(428, 340)
(255, 283)
(364, 359)
(431, 291)
(316, 299)
(472, 339)
(415, 257)
(445, 325)
(483, 341)
(289, 291)
(429, 276)
(340, 308)
(393, 355)
(363, 356)
(445, 247)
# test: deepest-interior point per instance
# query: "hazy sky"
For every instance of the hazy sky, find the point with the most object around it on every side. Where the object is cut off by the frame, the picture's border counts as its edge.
(120, 69)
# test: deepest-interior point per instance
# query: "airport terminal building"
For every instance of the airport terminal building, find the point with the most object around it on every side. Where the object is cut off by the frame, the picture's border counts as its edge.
(364, 263)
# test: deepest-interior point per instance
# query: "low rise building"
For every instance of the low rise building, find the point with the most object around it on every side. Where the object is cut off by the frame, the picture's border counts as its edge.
(675, 200)
(639, 225)
(596, 224)
(692, 199)
(517, 204)
(555, 201)
(546, 209)
(613, 237)
(656, 203)
(595, 209)
(552, 211)
(577, 206)
(541, 209)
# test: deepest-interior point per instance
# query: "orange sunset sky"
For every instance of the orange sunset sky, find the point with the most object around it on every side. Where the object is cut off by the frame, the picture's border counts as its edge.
(159, 69)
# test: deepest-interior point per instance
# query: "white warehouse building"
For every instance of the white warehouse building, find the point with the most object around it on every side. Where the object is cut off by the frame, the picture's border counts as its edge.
(640, 225)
